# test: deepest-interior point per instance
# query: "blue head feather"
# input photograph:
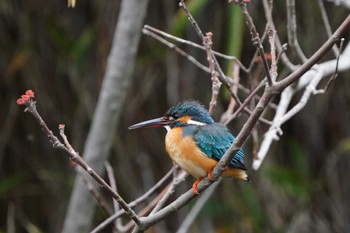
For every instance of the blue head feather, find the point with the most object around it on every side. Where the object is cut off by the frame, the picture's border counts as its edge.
(190, 108)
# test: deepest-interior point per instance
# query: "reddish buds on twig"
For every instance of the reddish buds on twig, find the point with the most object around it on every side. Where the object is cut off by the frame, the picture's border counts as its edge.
(26, 97)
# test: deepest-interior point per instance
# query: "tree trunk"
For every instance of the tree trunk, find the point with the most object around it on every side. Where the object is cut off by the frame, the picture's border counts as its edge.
(112, 96)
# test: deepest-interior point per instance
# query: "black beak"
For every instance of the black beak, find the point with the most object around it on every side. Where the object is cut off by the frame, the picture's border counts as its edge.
(158, 122)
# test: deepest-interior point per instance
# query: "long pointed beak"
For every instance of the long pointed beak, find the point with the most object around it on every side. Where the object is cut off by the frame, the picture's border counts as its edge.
(158, 122)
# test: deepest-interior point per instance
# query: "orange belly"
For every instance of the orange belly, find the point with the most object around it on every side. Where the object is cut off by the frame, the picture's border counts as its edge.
(185, 153)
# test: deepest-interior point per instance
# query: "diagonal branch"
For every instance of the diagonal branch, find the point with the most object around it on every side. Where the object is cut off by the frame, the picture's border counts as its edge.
(74, 156)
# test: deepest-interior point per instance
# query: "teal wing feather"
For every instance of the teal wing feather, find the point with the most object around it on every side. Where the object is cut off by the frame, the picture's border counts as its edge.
(214, 140)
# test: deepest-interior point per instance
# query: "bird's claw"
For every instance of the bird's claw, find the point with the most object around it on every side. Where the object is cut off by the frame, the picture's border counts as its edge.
(194, 186)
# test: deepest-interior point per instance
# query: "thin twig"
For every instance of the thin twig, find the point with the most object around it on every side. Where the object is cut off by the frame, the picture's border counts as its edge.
(335, 73)
(113, 184)
(147, 209)
(288, 92)
(272, 39)
(100, 200)
(213, 63)
(191, 19)
(245, 103)
(73, 155)
(223, 78)
(327, 25)
(269, 93)
(176, 181)
(195, 45)
(137, 201)
(216, 84)
(233, 103)
(292, 30)
(191, 216)
(255, 38)
(177, 49)
(279, 46)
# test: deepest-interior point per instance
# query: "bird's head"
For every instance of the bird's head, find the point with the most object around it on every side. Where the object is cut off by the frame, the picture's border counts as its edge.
(183, 114)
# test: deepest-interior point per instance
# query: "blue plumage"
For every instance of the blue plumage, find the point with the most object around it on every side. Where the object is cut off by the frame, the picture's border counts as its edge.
(195, 142)
(214, 140)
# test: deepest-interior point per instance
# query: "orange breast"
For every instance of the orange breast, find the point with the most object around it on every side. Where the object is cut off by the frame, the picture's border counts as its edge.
(185, 153)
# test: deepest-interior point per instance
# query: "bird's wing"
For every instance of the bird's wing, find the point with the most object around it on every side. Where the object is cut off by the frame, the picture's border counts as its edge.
(214, 140)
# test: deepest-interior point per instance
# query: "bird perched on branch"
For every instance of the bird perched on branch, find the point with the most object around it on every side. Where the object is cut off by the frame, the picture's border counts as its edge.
(195, 142)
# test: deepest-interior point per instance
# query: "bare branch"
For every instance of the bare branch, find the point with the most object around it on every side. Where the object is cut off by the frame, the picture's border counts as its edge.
(292, 30)
(180, 40)
(335, 74)
(113, 184)
(137, 201)
(191, 216)
(223, 78)
(192, 20)
(112, 96)
(176, 181)
(309, 79)
(73, 155)
(255, 38)
(280, 47)
(216, 84)
(327, 25)
(100, 200)
(272, 39)
(269, 93)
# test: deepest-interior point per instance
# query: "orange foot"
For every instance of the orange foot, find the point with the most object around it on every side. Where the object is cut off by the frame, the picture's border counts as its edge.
(194, 186)
(209, 175)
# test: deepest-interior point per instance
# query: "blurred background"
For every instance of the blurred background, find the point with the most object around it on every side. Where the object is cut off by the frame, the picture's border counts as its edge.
(61, 54)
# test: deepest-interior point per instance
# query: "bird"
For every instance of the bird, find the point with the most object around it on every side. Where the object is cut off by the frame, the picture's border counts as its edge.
(195, 142)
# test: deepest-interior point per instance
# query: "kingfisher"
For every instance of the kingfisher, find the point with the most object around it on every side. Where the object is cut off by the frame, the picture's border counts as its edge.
(195, 142)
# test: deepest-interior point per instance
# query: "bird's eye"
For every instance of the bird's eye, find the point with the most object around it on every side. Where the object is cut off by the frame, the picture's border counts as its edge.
(171, 118)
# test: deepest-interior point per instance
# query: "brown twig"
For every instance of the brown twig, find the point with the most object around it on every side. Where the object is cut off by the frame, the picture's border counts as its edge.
(232, 105)
(137, 201)
(195, 210)
(74, 156)
(243, 105)
(280, 47)
(175, 182)
(220, 74)
(148, 208)
(100, 200)
(255, 38)
(216, 84)
(177, 49)
(191, 19)
(207, 43)
(113, 184)
(194, 45)
(268, 94)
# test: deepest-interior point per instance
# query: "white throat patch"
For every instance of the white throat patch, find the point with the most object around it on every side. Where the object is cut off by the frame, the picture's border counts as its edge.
(192, 122)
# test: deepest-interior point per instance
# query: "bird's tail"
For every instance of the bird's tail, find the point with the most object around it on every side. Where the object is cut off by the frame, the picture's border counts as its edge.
(236, 173)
